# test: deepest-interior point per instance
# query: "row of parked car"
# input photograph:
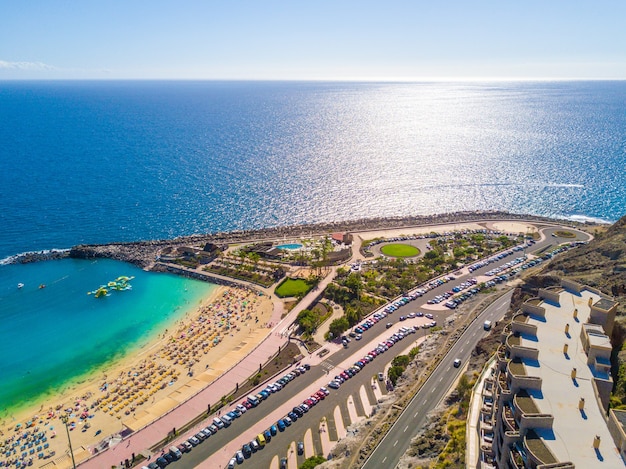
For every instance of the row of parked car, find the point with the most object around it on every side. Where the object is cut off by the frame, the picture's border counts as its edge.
(382, 347)
(253, 400)
(281, 425)
(497, 257)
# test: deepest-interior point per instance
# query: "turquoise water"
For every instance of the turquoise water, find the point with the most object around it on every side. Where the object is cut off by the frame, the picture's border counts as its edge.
(56, 334)
(291, 247)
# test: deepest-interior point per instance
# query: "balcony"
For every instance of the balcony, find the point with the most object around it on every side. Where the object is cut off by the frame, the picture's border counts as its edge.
(525, 403)
(537, 449)
(516, 368)
(515, 459)
(520, 379)
(509, 419)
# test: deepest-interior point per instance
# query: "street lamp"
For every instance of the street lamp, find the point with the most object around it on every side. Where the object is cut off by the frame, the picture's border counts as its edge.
(64, 419)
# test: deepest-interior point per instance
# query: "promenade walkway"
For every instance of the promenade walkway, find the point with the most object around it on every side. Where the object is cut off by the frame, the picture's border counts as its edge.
(472, 438)
(225, 374)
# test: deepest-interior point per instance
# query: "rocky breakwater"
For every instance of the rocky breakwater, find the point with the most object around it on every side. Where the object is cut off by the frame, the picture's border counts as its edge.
(144, 253)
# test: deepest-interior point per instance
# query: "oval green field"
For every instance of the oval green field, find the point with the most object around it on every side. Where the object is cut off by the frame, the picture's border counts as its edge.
(399, 250)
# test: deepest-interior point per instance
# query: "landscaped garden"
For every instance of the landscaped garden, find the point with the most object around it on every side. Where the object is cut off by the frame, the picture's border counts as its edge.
(293, 287)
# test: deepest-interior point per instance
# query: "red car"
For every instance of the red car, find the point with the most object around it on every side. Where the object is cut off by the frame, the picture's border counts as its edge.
(246, 404)
(320, 395)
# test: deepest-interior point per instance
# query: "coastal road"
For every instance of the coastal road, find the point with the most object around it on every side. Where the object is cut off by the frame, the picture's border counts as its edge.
(413, 418)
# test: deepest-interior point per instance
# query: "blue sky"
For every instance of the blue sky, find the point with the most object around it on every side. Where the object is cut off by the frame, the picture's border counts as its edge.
(352, 40)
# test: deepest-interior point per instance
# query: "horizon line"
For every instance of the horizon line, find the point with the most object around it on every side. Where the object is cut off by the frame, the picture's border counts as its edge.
(349, 79)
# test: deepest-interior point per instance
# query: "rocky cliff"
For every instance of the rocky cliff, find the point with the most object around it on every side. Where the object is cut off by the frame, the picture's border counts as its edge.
(601, 263)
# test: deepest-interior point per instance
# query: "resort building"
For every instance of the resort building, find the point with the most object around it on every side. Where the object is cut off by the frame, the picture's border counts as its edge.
(342, 238)
(546, 403)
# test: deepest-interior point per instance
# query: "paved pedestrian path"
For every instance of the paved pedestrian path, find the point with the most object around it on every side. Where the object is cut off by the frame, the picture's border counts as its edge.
(235, 368)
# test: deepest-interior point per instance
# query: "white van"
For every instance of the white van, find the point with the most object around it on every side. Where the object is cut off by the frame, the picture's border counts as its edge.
(175, 452)
(252, 399)
(487, 325)
(227, 420)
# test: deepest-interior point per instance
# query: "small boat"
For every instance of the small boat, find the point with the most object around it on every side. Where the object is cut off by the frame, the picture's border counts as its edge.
(20, 285)
(42, 286)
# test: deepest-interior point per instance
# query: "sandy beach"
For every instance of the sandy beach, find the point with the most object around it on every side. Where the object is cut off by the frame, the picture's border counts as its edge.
(137, 389)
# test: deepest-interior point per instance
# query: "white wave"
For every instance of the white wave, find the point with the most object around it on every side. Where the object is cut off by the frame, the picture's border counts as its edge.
(17, 257)
(586, 219)
(559, 184)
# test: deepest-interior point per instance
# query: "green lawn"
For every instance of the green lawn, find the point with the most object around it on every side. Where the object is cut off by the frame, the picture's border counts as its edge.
(292, 287)
(399, 250)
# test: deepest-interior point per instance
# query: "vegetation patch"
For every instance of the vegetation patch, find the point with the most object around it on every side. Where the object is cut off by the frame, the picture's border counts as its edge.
(564, 234)
(293, 287)
(287, 356)
(310, 319)
(399, 250)
(313, 462)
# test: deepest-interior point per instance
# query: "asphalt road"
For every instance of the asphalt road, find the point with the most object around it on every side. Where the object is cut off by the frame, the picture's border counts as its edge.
(312, 418)
(407, 426)
(398, 439)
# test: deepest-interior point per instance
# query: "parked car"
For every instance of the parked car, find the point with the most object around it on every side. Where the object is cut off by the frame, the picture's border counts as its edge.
(300, 447)
(239, 457)
(247, 450)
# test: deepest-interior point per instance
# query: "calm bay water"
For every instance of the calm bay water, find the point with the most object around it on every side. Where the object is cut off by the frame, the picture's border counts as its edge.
(93, 162)
(54, 334)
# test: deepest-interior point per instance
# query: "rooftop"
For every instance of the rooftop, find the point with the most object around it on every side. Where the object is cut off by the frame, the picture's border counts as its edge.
(571, 437)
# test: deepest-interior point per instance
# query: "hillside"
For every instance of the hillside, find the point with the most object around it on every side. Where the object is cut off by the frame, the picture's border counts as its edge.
(601, 263)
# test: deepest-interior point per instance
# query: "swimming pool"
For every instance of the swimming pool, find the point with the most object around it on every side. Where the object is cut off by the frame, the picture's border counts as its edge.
(290, 247)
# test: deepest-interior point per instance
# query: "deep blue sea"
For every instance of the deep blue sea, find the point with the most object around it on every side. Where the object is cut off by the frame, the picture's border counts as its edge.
(93, 162)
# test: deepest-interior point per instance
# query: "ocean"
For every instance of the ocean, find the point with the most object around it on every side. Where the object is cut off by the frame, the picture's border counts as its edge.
(101, 161)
